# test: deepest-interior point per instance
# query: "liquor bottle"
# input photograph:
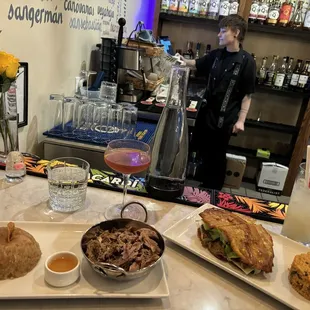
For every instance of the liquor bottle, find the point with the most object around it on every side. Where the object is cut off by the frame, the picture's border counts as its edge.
(271, 71)
(189, 54)
(303, 77)
(224, 8)
(198, 46)
(307, 19)
(208, 49)
(203, 8)
(164, 6)
(183, 7)
(253, 11)
(193, 8)
(297, 20)
(234, 7)
(296, 74)
(173, 6)
(262, 72)
(262, 12)
(289, 73)
(274, 12)
(280, 75)
(214, 8)
(285, 13)
(167, 171)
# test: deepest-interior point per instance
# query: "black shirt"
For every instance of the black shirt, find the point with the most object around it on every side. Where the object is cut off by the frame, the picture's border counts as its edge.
(218, 68)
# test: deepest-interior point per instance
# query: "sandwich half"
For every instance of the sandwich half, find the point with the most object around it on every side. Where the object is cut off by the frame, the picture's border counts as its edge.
(236, 238)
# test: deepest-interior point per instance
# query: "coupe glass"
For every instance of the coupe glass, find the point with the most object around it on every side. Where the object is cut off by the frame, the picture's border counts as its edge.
(127, 157)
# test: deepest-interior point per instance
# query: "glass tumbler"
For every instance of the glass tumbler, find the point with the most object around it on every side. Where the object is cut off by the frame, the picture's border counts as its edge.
(108, 91)
(115, 121)
(70, 116)
(100, 124)
(67, 181)
(85, 121)
(296, 225)
(129, 122)
(55, 114)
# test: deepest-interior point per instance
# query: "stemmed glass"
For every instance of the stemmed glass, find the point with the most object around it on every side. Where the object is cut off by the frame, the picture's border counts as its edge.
(126, 156)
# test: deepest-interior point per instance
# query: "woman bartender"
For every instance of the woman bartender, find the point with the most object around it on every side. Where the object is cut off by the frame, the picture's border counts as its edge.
(230, 74)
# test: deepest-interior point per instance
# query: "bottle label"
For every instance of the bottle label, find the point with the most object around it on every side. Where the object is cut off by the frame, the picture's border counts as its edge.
(194, 6)
(285, 13)
(287, 80)
(214, 6)
(279, 79)
(203, 7)
(263, 12)
(262, 73)
(270, 76)
(307, 20)
(273, 16)
(303, 79)
(224, 8)
(234, 7)
(174, 5)
(165, 4)
(294, 79)
(254, 10)
(183, 6)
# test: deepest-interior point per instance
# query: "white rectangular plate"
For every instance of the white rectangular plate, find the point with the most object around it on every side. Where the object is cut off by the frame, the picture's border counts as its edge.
(54, 237)
(275, 284)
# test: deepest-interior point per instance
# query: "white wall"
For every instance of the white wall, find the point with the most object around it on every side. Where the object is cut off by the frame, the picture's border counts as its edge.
(54, 51)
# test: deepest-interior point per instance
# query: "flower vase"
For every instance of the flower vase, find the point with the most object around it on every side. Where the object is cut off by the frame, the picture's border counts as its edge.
(8, 130)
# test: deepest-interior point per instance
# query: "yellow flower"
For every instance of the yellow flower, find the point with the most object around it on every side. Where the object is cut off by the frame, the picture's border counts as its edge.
(8, 65)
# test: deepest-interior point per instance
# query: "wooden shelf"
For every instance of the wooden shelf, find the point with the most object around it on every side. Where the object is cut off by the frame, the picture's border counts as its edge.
(189, 19)
(278, 30)
(261, 88)
(271, 126)
(250, 153)
(298, 33)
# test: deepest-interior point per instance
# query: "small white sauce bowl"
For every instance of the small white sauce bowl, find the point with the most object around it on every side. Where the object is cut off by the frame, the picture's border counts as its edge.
(61, 279)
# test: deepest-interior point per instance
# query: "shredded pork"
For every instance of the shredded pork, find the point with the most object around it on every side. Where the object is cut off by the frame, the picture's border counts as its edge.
(129, 248)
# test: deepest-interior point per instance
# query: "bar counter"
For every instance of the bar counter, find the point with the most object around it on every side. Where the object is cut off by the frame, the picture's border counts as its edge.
(193, 283)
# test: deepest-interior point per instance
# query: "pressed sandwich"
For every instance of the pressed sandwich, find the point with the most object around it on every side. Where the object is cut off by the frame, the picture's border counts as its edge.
(237, 239)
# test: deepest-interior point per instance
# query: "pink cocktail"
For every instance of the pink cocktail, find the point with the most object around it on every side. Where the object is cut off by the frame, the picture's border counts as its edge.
(126, 157)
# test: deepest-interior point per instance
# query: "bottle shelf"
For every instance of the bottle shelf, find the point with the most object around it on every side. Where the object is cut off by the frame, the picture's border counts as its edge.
(261, 88)
(271, 126)
(251, 154)
(278, 30)
(188, 19)
(299, 33)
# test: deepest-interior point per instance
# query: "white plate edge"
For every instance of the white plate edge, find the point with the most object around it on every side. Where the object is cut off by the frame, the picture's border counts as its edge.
(246, 280)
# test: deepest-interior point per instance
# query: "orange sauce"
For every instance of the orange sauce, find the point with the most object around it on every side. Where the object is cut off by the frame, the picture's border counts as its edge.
(63, 263)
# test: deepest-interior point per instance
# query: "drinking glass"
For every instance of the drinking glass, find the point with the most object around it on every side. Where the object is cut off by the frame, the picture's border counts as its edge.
(115, 121)
(85, 121)
(87, 74)
(108, 91)
(100, 124)
(70, 116)
(67, 181)
(296, 225)
(126, 156)
(55, 114)
(129, 122)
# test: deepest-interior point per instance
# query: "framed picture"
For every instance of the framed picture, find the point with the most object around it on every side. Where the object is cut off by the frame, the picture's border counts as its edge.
(20, 92)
